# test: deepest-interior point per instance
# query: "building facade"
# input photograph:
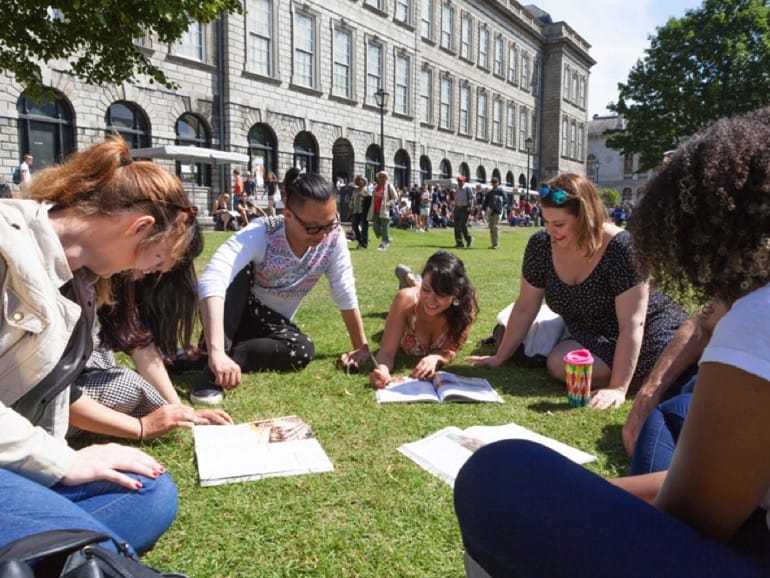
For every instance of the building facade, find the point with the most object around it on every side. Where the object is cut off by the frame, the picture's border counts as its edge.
(482, 88)
(609, 168)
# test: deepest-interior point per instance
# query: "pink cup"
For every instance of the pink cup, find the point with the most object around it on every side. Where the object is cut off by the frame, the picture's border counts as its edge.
(578, 365)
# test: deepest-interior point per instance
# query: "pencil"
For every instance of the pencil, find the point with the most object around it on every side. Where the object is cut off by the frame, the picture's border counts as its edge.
(374, 359)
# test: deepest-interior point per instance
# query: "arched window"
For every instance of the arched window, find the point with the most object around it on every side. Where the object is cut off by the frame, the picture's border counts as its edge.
(481, 174)
(306, 152)
(263, 151)
(465, 170)
(510, 181)
(343, 160)
(373, 161)
(445, 169)
(496, 175)
(522, 180)
(130, 122)
(192, 131)
(426, 170)
(45, 130)
(401, 169)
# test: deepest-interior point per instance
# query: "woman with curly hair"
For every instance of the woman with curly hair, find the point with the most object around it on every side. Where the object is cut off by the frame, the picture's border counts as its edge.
(581, 265)
(431, 320)
(701, 229)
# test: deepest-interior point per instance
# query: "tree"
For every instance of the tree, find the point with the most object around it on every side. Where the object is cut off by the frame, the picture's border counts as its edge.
(95, 39)
(711, 63)
(610, 197)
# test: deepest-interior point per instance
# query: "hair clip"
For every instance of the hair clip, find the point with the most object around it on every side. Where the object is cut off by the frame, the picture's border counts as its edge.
(558, 196)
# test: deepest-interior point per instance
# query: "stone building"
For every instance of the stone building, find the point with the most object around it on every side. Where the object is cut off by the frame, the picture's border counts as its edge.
(482, 88)
(609, 168)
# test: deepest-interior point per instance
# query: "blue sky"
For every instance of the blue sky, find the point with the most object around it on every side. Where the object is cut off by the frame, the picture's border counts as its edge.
(617, 31)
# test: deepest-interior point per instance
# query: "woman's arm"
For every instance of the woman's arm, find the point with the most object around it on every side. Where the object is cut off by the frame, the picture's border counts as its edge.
(644, 486)
(720, 471)
(395, 325)
(520, 320)
(631, 312)
(149, 365)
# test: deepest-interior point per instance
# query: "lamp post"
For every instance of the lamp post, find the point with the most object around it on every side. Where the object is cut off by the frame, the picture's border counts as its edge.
(528, 145)
(381, 98)
(595, 168)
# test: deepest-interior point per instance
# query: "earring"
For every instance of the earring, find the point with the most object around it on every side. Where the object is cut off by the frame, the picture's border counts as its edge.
(456, 302)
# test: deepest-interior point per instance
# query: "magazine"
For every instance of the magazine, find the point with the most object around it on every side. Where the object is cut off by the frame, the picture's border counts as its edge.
(444, 452)
(282, 446)
(444, 386)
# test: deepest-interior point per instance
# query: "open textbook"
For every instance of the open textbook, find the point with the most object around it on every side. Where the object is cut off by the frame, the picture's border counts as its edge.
(444, 452)
(444, 386)
(282, 446)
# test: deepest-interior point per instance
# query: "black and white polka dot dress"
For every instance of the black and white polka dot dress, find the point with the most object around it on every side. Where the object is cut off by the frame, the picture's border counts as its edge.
(588, 308)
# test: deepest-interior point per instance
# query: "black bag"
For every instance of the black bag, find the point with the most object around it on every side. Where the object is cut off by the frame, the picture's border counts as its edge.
(71, 554)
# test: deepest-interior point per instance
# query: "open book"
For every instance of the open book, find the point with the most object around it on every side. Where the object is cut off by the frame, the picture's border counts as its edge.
(444, 386)
(282, 446)
(444, 452)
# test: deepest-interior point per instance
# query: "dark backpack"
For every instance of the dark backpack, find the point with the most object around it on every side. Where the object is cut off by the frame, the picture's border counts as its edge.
(17, 175)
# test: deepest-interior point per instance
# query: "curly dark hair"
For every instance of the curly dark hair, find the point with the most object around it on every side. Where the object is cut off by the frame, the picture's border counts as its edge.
(702, 229)
(448, 277)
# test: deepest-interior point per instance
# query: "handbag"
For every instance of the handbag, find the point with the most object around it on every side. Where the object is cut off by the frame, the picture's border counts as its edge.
(72, 554)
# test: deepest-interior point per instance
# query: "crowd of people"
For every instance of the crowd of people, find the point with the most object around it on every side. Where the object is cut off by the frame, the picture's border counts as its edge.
(99, 257)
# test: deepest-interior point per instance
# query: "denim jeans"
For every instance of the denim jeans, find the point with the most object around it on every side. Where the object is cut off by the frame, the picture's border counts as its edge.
(381, 227)
(527, 511)
(137, 517)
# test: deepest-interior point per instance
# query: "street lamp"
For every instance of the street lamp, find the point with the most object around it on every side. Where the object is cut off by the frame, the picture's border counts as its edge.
(528, 145)
(381, 98)
(594, 166)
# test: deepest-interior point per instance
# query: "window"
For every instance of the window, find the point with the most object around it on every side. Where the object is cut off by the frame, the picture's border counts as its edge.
(374, 80)
(481, 115)
(574, 86)
(378, 4)
(628, 164)
(304, 50)
(426, 95)
(564, 137)
(403, 11)
(483, 48)
(46, 129)
(263, 150)
(190, 45)
(129, 122)
(573, 139)
(535, 76)
(582, 94)
(466, 36)
(498, 63)
(306, 152)
(191, 131)
(403, 74)
(566, 82)
(427, 19)
(513, 58)
(524, 71)
(463, 124)
(342, 65)
(445, 103)
(510, 126)
(523, 128)
(447, 26)
(497, 121)
(580, 139)
(259, 27)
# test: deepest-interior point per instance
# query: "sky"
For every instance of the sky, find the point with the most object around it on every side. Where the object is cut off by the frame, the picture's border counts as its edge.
(618, 32)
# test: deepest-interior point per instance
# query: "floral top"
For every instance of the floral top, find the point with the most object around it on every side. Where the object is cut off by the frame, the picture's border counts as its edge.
(413, 345)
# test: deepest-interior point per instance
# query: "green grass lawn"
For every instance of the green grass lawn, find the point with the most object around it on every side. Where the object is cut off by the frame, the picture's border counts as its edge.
(378, 514)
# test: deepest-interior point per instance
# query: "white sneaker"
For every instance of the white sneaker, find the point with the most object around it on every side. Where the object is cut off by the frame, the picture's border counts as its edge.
(382, 247)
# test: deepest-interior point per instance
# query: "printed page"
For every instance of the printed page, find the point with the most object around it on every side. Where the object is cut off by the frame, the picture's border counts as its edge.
(406, 389)
(453, 387)
(252, 451)
(489, 434)
(443, 453)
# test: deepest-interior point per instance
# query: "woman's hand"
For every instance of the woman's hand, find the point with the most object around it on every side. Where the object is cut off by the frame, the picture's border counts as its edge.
(380, 376)
(607, 397)
(108, 462)
(175, 415)
(226, 372)
(351, 361)
(426, 367)
(484, 360)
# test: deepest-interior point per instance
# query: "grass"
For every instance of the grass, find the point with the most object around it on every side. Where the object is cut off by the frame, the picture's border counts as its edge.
(378, 514)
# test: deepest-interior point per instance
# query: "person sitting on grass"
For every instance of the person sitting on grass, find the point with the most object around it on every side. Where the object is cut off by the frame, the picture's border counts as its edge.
(525, 510)
(430, 319)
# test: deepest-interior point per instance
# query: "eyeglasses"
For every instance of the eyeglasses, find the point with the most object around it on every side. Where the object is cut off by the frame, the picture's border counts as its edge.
(315, 229)
(558, 197)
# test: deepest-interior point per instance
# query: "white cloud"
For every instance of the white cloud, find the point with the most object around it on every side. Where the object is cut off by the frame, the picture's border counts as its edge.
(618, 32)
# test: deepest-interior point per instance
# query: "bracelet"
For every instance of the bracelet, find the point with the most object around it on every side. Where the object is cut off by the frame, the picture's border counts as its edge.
(141, 430)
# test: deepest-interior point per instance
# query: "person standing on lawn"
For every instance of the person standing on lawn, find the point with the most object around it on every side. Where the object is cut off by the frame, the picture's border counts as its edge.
(494, 205)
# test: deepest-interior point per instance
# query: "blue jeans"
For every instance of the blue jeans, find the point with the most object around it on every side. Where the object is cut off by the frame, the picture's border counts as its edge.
(660, 432)
(525, 510)
(137, 517)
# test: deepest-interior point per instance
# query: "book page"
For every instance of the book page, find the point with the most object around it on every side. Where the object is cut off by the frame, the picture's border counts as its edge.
(443, 453)
(453, 387)
(252, 451)
(407, 389)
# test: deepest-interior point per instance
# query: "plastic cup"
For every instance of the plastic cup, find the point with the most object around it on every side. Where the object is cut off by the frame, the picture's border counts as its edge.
(578, 364)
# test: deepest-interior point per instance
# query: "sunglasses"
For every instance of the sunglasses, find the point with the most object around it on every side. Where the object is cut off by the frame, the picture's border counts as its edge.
(558, 197)
(315, 229)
